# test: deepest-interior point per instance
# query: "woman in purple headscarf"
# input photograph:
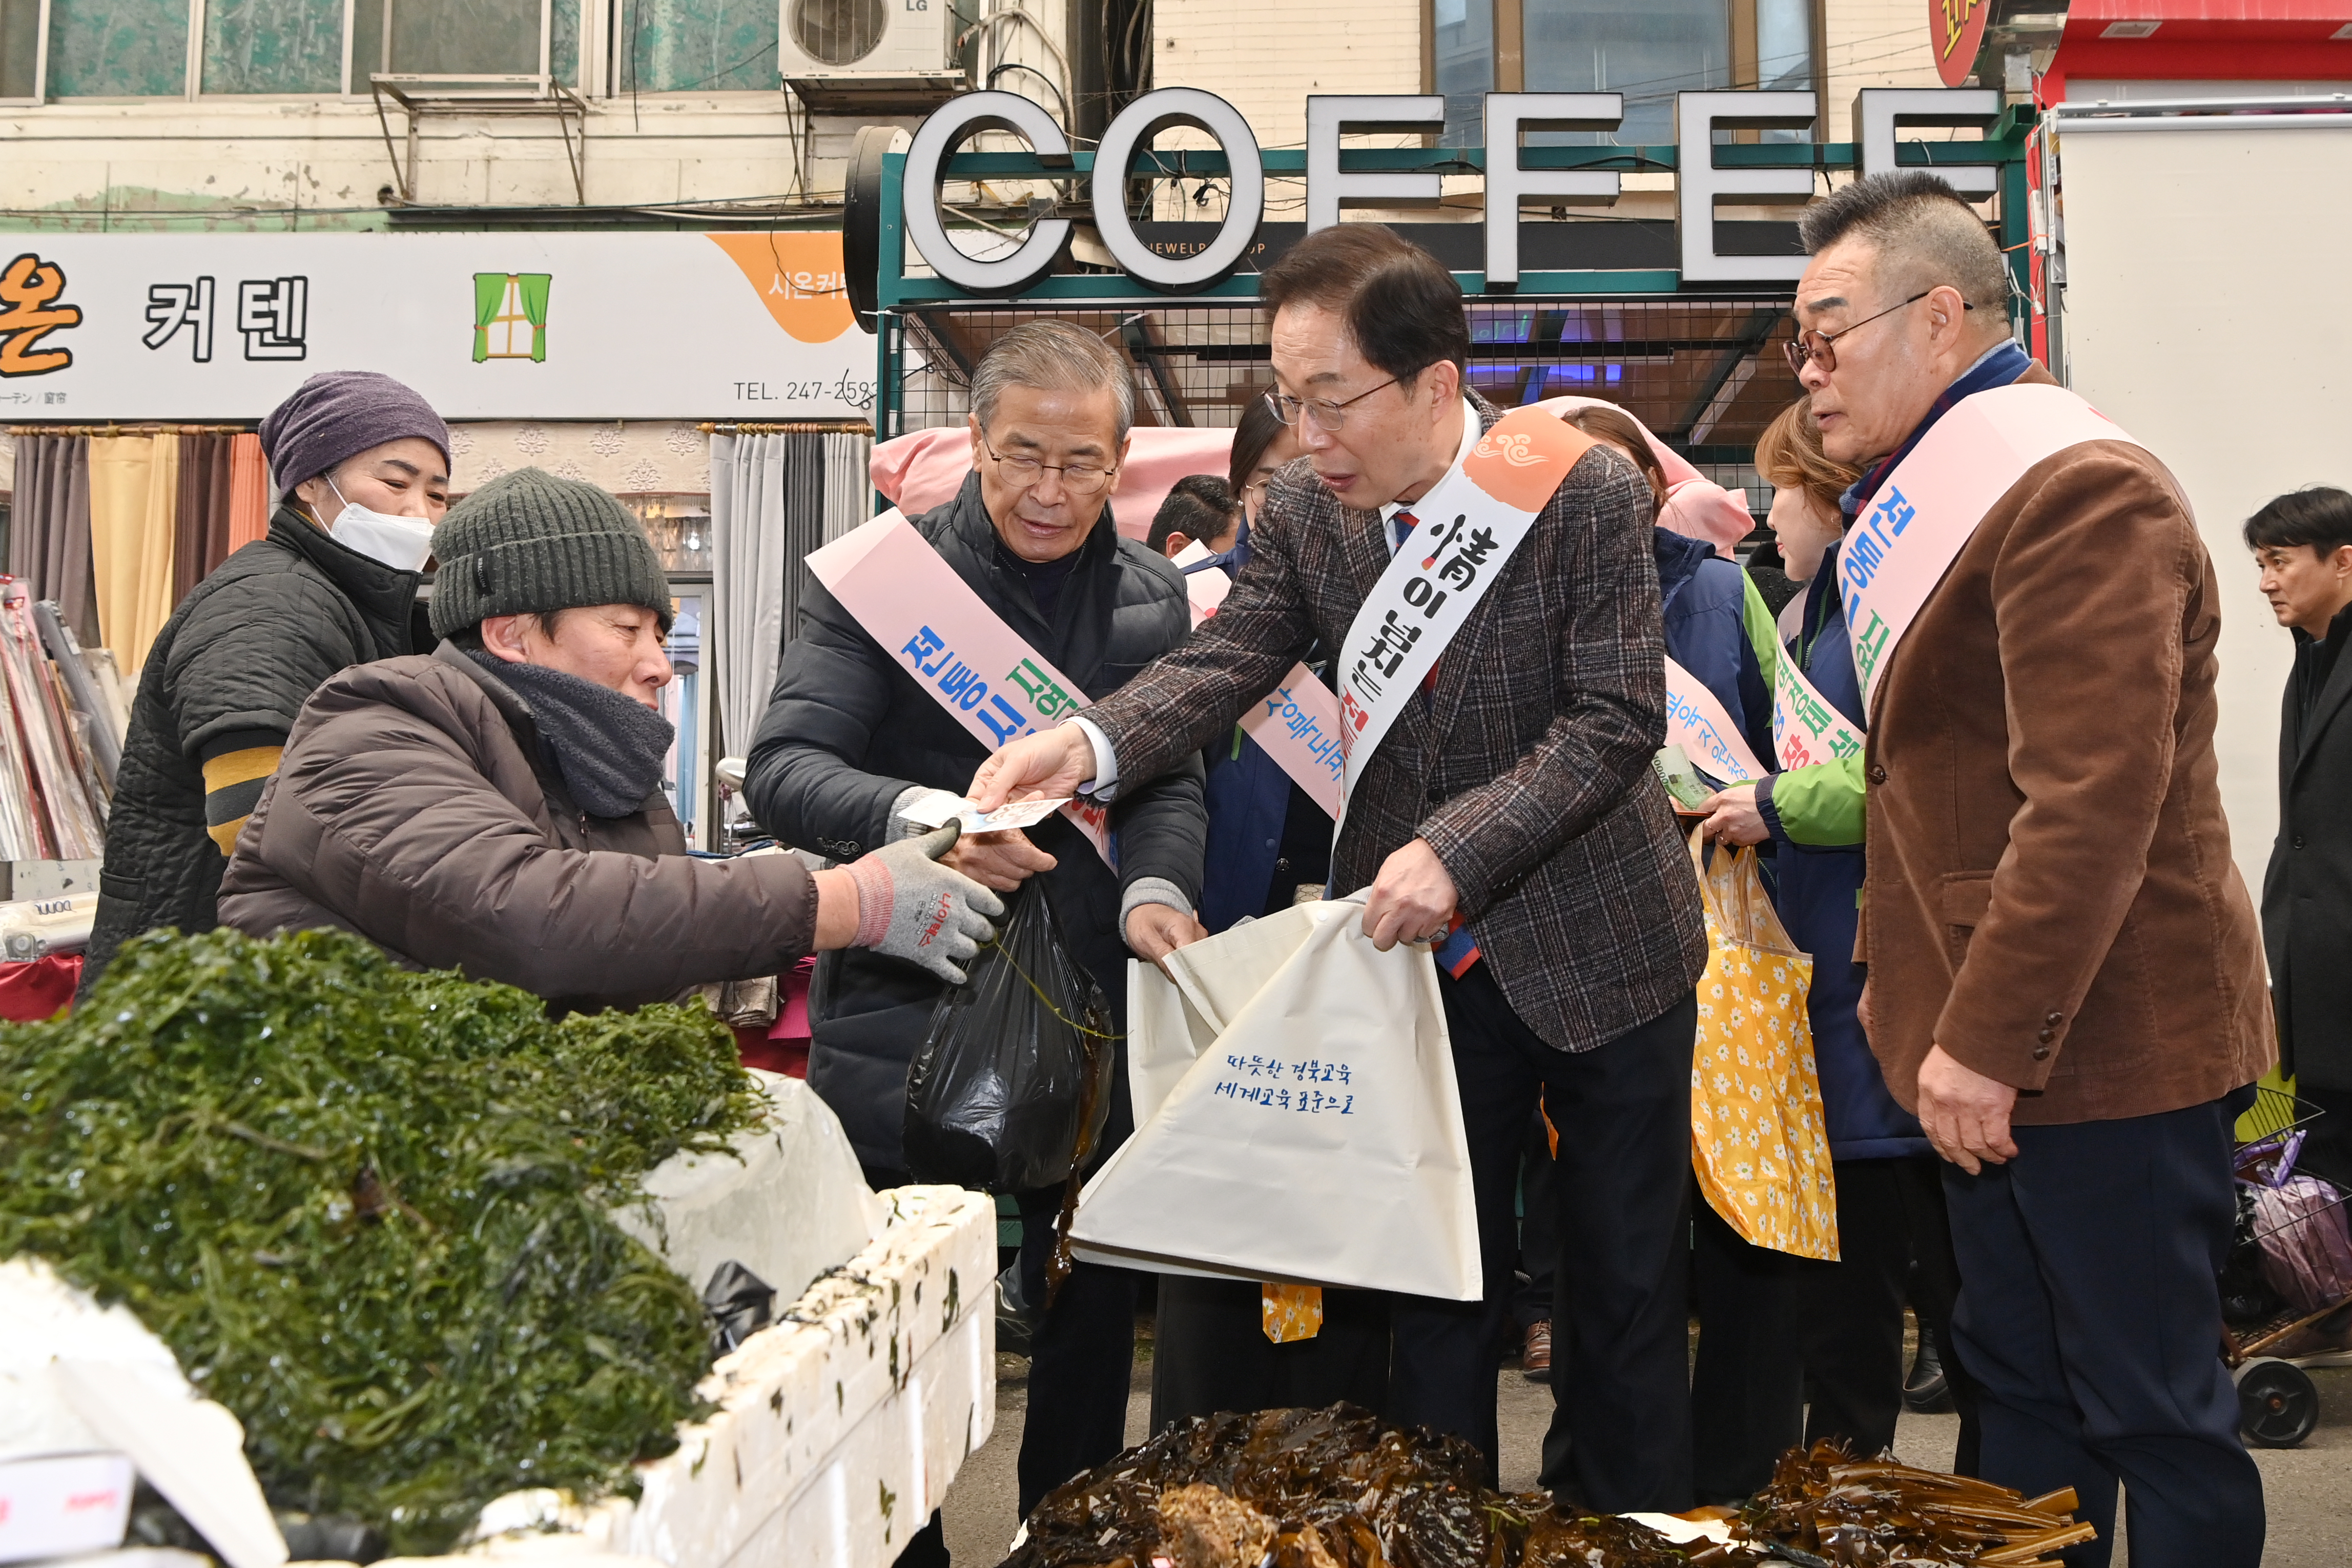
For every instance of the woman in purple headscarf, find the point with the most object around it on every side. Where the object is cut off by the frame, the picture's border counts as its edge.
(362, 465)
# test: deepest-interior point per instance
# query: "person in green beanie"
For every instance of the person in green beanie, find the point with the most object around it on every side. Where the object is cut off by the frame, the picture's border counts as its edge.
(496, 806)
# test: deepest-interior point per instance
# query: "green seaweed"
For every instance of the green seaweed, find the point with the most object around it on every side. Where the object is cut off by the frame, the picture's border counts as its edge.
(368, 1210)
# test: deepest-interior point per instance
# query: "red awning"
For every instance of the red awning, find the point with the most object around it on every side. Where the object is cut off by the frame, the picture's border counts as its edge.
(2204, 40)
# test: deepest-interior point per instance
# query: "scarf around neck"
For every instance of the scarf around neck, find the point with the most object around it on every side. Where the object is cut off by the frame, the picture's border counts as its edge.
(608, 747)
(1999, 365)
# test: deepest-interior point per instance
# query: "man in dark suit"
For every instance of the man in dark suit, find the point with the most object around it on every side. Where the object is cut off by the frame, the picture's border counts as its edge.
(2302, 546)
(1514, 790)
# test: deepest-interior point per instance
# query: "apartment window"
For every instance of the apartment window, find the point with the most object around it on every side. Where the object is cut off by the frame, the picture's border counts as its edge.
(140, 48)
(1647, 49)
(450, 38)
(273, 45)
(1464, 71)
(118, 48)
(20, 49)
(696, 45)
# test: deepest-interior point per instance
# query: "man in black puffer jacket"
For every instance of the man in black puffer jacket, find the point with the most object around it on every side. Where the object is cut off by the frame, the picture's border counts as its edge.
(850, 740)
(363, 464)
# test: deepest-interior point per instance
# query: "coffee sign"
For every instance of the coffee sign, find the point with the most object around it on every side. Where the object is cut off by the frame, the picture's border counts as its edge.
(1700, 184)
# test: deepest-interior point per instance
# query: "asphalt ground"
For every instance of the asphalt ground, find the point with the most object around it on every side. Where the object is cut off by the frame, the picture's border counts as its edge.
(2308, 1489)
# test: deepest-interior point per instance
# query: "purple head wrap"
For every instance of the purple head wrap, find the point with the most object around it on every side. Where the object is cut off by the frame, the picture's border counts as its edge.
(339, 414)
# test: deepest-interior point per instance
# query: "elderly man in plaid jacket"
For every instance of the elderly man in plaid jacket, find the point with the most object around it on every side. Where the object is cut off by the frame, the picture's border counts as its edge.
(1509, 811)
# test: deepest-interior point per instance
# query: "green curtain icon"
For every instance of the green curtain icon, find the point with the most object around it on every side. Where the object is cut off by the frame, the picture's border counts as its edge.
(490, 301)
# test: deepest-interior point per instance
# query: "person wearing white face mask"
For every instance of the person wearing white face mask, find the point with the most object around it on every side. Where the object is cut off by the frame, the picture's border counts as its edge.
(361, 463)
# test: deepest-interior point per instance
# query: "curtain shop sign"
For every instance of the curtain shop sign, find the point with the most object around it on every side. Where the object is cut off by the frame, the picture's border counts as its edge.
(1699, 185)
(513, 326)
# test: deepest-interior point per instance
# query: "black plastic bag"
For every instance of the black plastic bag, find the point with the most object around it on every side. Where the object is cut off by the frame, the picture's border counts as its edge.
(1012, 1086)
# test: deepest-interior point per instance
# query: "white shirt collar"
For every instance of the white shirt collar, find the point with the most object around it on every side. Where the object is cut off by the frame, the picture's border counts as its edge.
(1470, 434)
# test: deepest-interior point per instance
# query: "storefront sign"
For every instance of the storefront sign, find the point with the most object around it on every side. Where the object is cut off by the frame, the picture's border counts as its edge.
(486, 326)
(1955, 32)
(1700, 186)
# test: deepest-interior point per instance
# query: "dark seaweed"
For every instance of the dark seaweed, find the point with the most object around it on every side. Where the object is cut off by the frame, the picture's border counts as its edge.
(367, 1209)
(1374, 1495)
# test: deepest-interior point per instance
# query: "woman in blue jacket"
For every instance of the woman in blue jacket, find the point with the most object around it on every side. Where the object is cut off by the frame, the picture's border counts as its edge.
(1890, 1196)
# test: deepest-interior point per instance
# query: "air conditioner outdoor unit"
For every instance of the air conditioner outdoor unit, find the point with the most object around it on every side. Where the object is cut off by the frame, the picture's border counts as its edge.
(844, 56)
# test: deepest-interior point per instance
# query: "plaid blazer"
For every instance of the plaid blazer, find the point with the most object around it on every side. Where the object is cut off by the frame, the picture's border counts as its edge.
(1527, 767)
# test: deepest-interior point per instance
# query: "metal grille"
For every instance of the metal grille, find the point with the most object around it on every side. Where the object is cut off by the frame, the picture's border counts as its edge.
(838, 32)
(1707, 375)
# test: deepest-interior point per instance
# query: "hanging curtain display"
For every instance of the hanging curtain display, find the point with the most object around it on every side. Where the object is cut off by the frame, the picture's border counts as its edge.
(848, 494)
(803, 527)
(134, 493)
(747, 567)
(49, 536)
(248, 492)
(201, 540)
(773, 499)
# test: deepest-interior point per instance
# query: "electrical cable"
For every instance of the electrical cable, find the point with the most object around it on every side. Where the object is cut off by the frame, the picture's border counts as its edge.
(998, 68)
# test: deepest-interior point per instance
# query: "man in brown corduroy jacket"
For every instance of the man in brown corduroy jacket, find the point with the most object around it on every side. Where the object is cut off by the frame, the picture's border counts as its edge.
(2065, 974)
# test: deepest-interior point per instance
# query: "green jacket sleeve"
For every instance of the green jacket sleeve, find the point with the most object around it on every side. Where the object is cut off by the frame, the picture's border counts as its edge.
(1819, 805)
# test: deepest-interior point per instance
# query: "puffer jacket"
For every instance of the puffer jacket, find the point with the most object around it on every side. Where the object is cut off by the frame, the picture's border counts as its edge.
(849, 730)
(229, 670)
(416, 806)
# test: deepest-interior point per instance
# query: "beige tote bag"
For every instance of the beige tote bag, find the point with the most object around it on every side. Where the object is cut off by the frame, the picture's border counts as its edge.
(1297, 1118)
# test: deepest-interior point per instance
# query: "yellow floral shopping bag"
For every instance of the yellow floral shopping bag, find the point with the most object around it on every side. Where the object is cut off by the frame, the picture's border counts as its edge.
(1758, 1140)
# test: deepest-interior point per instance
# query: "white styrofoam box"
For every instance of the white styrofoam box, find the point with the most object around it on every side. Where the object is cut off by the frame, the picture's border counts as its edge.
(786, 1200)
(63, 1503)
(50, 879)
(838, 1428)
(44, 1320)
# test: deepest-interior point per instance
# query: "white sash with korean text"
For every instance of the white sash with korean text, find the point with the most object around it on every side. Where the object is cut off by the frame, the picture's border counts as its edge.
(1922, 516)
(1699, 724)
(960, 652)
(1806, 730)
(1472, 520)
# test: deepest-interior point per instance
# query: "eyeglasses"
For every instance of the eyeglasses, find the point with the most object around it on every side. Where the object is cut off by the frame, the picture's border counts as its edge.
(1814, 346)
(1327, 415)
(1021, 470)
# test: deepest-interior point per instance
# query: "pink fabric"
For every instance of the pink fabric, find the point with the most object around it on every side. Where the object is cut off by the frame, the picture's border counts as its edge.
(792, 1018)
(1696, 507)
(918, 472)
(875, 891)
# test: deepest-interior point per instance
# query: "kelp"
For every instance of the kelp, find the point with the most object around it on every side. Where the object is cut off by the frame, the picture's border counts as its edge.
(1336, 1489)
(1332, 1484)
(367, 1208)
(1825, 1506)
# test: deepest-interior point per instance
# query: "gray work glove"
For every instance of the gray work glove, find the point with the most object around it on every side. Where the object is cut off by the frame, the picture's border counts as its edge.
(912, 907)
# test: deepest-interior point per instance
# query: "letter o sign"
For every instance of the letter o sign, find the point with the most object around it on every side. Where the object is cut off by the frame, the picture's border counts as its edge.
(1132, 131)
(959, 120)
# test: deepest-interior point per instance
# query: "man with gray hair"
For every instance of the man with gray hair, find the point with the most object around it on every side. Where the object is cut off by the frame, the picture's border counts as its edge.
(2065, 978)
(851, 739)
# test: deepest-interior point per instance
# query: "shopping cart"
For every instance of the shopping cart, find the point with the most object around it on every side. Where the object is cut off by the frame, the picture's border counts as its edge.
(2292, 1251)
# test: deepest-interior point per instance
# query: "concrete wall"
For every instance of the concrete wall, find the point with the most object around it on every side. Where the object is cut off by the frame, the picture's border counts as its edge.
(321, 161)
